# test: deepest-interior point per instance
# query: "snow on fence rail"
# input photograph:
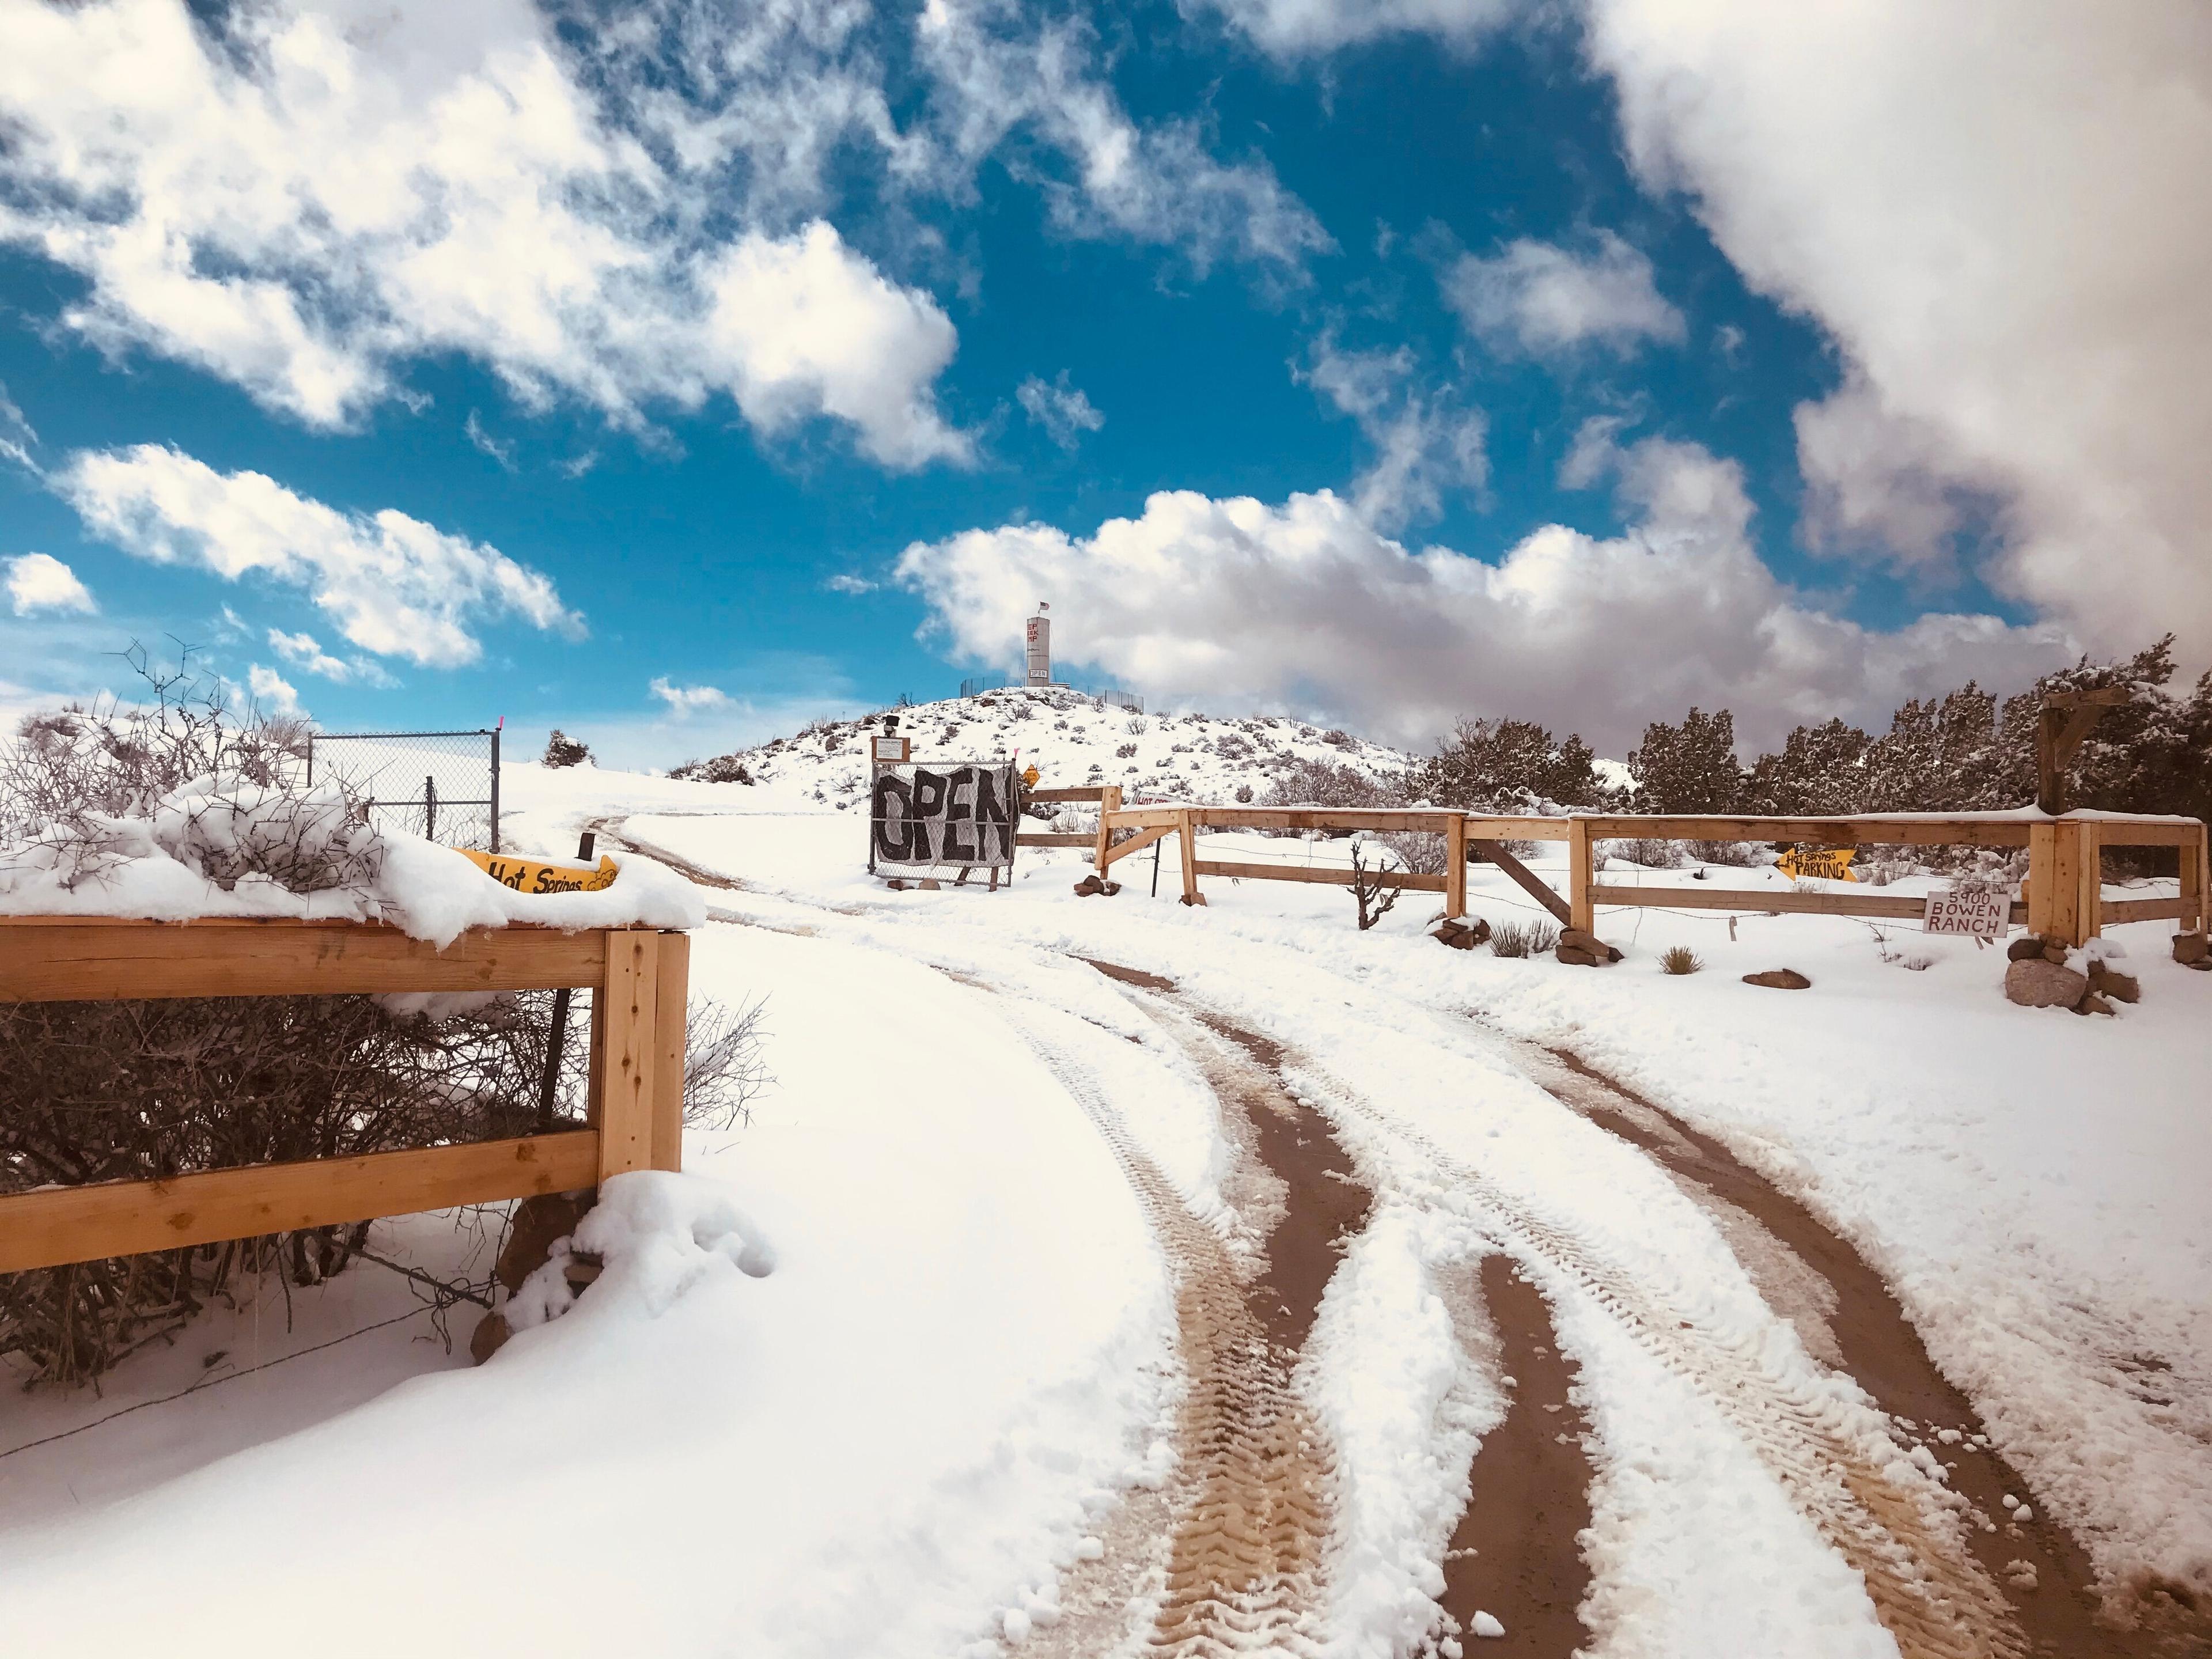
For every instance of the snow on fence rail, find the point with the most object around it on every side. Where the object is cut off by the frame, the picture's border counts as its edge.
(640, 977)
(2062, 898)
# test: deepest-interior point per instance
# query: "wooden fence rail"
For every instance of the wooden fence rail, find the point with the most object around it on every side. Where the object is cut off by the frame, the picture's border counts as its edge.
(2062, 898)
(639, 978)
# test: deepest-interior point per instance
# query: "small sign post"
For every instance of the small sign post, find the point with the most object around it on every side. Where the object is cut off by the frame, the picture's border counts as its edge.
(1979, 912)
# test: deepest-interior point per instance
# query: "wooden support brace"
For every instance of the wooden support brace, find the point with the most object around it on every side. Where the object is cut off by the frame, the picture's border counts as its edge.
(1529, 881)
(1109, 802)
(1187, 834)
(1138, 842)
(2195, 879)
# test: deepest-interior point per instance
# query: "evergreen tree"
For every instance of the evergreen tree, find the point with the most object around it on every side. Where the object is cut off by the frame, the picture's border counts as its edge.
(1504, 765)
(1690, 768)
(1820, 773)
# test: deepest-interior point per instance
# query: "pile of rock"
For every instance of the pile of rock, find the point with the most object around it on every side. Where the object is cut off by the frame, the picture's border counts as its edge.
(1583, 949)
(537, 1225)
(2038, 977)
(1460, 933)
(2193, 951)
(1095, 884)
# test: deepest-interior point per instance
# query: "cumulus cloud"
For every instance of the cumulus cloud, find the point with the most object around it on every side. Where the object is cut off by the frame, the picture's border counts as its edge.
(683, 700)
(271, 691)
(1997, 213)
(1063, 410)
(1426, 441)
(1299, 29)
(393, 585)
(626, 217)
(1306, 605)
(299, 202)
(1543, 300)
(39, 581)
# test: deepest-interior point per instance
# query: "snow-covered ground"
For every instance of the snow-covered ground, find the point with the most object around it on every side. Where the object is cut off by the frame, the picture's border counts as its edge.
(961, 1379)
(1073, 739)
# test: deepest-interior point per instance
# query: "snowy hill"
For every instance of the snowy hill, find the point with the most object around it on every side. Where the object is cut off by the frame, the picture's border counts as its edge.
(1072, 738)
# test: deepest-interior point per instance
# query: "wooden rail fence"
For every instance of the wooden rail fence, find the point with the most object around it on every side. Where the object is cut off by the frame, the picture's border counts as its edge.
(2062, 898)
(639, 976)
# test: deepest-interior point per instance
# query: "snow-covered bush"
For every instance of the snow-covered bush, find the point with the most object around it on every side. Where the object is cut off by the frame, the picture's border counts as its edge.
(562, 750)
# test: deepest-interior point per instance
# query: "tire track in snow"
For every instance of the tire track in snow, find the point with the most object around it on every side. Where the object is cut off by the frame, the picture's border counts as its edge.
(1892, 1527)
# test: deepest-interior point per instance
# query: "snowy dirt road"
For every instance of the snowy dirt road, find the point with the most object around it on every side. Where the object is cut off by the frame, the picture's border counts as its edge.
(1766, 1376)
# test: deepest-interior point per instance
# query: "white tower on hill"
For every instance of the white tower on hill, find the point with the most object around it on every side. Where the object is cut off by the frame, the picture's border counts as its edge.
(1040, 647)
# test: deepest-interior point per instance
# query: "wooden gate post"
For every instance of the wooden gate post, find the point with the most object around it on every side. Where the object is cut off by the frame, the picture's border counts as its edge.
(2041, 885)
(1581, 875)
(2195, 880)
(672, 1007)
(624, 1051)
(1455, 865)
(1110, 801)
(2089, 882)
(1190, 843)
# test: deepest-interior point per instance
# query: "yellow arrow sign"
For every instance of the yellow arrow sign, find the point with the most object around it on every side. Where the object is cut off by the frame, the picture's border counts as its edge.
(527, 877)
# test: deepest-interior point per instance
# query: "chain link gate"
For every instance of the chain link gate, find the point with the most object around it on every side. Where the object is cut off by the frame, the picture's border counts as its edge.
(442, 786)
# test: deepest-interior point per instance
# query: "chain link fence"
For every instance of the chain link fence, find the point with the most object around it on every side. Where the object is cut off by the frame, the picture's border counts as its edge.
(443, 786)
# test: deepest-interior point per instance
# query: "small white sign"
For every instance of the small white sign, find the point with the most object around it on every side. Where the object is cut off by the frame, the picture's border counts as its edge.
(890, 749)
(1982, 912)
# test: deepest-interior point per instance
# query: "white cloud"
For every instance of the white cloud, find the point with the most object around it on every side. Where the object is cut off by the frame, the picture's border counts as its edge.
(1544, 300)
(303, 651)
(272, 692)
(683, 700)
(299, 203)
(504, 453)
(845, 582)
(1158, 183)
(1063, 410)
(804, 326)
(39, 581)
(1425, 442)
(628, 217)
(1997, 212)
(16, 438)
(393, 585)
(1306, 605)
(1299, 29)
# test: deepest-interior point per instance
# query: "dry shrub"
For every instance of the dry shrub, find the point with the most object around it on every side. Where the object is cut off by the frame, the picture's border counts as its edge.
(1737, 855)
(1522, 938)
(1680, 959)
(1650, 851)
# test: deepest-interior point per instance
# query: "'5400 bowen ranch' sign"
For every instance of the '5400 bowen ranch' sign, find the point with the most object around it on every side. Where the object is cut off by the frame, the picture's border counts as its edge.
(960, 815)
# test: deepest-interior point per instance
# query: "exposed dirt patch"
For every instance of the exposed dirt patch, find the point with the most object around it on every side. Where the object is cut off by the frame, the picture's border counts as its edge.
(2041, 1570)
(1136, 976)
(1515, 1554)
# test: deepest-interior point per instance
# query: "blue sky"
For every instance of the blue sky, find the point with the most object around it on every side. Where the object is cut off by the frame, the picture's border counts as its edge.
(799, 358)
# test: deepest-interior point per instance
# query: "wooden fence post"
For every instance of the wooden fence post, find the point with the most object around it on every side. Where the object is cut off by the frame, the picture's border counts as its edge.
(1189, 843)
(2042, 879)
(1109, 801)
(623, 1062)
(2089, 867)
(1581, 875)
(671, 1007)
(1455, 865)
(2195, 879)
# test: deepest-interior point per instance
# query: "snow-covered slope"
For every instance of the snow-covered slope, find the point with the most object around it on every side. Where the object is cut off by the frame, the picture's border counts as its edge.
(1073, 739)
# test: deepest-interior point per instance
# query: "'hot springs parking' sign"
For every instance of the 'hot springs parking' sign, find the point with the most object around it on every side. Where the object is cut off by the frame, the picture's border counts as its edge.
(952, 815)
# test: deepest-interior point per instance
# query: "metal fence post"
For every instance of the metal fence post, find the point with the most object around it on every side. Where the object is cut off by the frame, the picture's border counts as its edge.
(429, 809)
(494, 785)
